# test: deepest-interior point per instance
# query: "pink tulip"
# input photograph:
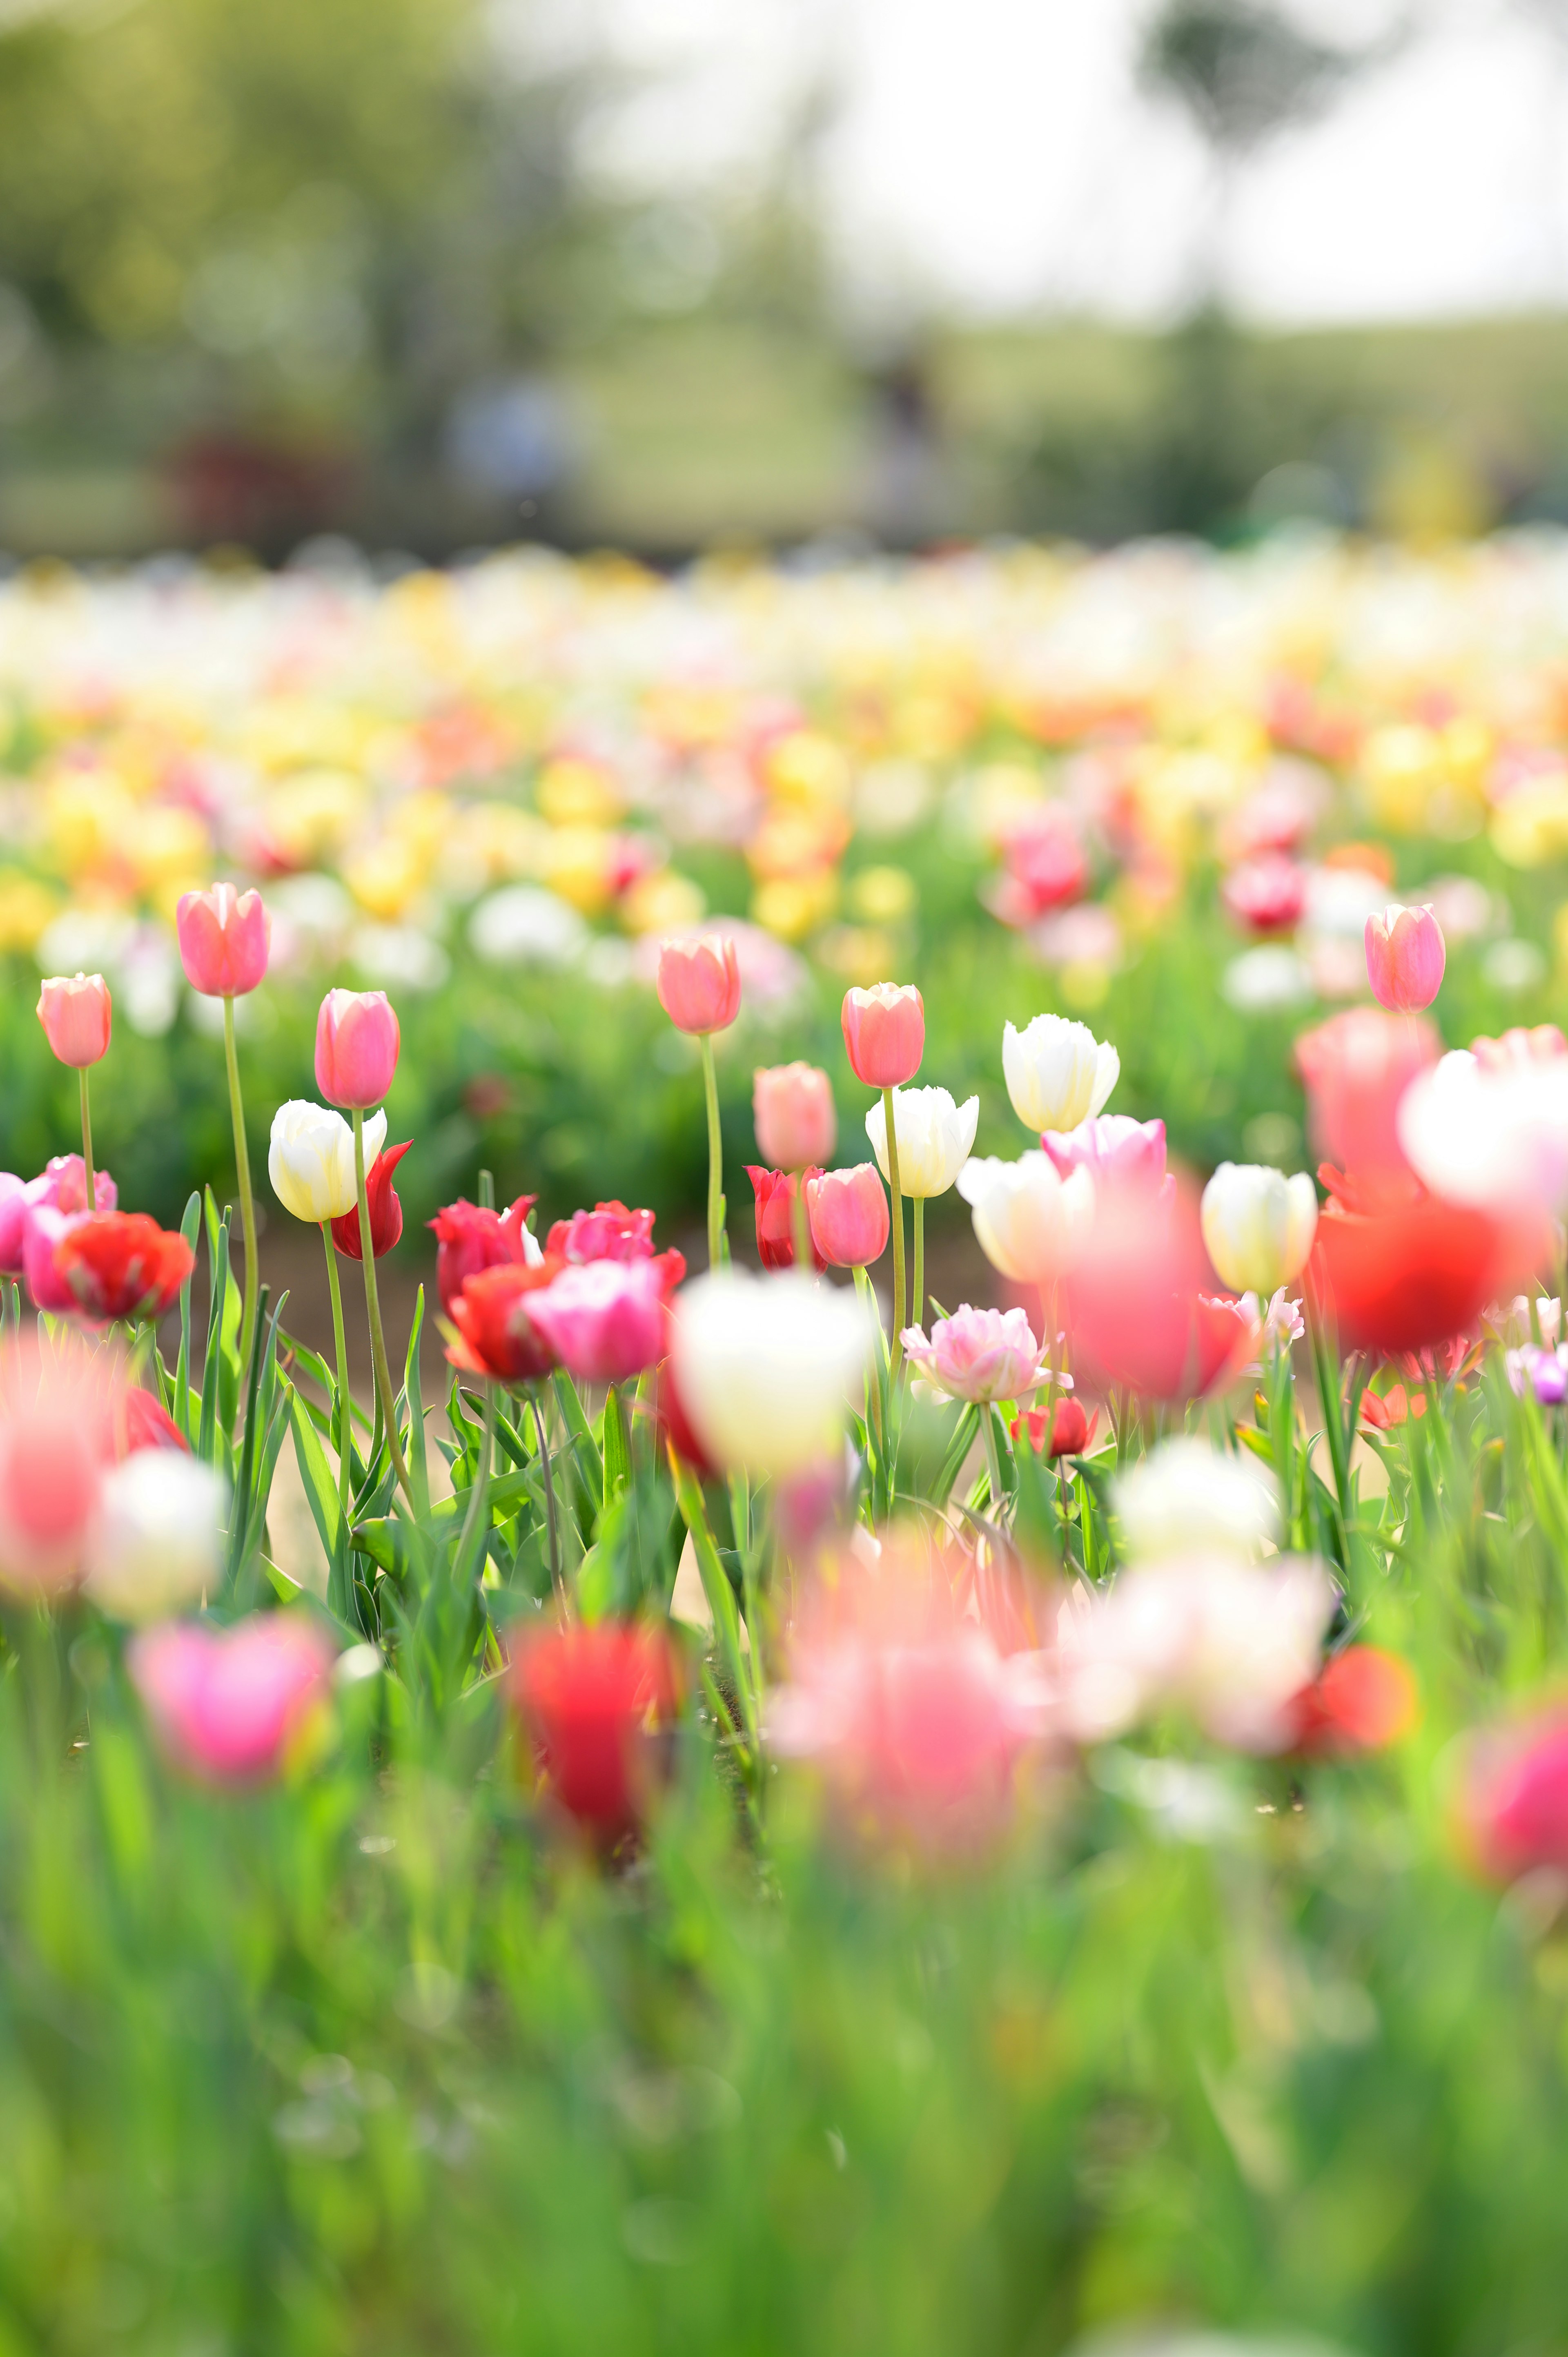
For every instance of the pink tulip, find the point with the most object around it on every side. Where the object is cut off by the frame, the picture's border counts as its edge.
(1115, 1151)
(77, 1015)
(12, 1221)
(1405, 957)
(46, 1229)
(224, 936)
(61, 1186)
(356, 1041)
(605, 1321)
(51, 1429)
(849, 1216)
(1356, 1068)
(228, 1705)
(1513, 1798)
(978, 1354)
(793, 1113)
(884, 1033)
(699, 983)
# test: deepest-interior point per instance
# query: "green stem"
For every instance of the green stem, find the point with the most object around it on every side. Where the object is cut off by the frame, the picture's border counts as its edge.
(918, 1306)
(479, 1488)
(243, 1166)
(556, 1582)
(344, 1415)
(715, 1152)
(992, 1462)
(373, 1309)
(87, 1143)
(897, 1192)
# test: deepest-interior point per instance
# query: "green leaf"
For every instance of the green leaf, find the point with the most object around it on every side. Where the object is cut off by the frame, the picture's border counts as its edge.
(418, 1462)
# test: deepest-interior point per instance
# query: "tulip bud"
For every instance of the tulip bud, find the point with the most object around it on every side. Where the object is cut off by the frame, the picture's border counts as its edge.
(1258, 1226)
(1058, 1073)
(1405, 957)
(775, 1195)
(884, 1033)
(699, 983)
(155, 1542)
(381, 1201)
(311, 1159)
(225, 938)
(356, 1042)
(848, 1210)
(77, 1015)
(793, 1113)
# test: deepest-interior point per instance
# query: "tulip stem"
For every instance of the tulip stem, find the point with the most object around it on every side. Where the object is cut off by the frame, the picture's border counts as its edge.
(478, 1488)
(992, 1461)
(345, 1417)
(556, 1581)
(715, 1152)
(242, 1167)
(918, 1306)
(373, 1309)
(87, 1144)
(897, 1192)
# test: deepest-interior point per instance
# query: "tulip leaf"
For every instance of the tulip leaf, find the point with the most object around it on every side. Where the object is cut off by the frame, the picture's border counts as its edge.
(616, 1447)
(418, 1462)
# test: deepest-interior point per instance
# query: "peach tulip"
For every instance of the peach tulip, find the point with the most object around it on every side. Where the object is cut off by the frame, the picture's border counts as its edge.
(224, 937)
(699, 983)
(356, 1042)
(793, 1110)
(884, 1033)
(849, 1216)
(77, 1015)
(1405, 956)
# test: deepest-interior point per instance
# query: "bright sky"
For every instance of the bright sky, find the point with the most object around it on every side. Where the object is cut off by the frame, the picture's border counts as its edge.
(997, 155)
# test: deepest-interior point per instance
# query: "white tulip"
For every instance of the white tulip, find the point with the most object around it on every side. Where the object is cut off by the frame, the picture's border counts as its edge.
(765, 1367)
(311, 1158)
(1496, 1139)
(1258, 1225)
(1057, 1072)
(1030, 1220)
(935, 1138)
(1186, 1498)
(155, 1541)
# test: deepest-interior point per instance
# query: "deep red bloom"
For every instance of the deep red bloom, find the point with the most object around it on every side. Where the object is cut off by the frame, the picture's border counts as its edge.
(1071, 1430)
(470, 1238)
(1401, 1279)
(380, 1199)
(587, 1695)
(1267, 895)
(609, 1231)
(1363, 1700)
(498, 1337)
(774, 1193)
(122, 1265)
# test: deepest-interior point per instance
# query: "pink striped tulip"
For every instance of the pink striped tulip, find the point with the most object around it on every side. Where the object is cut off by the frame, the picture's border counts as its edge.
(224, 937)
(1405, 957)
(356, 1042)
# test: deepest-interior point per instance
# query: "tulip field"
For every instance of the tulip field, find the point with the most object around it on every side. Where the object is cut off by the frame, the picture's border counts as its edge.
(778, 1805)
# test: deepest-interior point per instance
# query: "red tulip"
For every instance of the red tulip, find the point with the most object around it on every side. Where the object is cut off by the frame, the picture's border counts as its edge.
(137, 1420)
(1400, 1278)
(77, 1015)
(1071, 1430)
(699, 983)
(356, 1042)
(1405, 957)
(1363, 1700)
(1393, 1407)
(587, 1695)
(121, 1264)
(381, 1200)
(774, 1193)
(609, 1231)
(1267, 895)
(850, 1224)
(884, 1033)
(793, 1113)
(225, 938)
(468, 1238)
(498, 1336)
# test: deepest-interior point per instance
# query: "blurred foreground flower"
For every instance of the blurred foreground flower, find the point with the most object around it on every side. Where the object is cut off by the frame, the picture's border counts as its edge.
(1137, 1304)
(230, 1705)
(156, 1539)
(765, 1367)
(1512, 1797)
(1405, 957)
(121, 1264)
(591, 1698)
(52, 1430)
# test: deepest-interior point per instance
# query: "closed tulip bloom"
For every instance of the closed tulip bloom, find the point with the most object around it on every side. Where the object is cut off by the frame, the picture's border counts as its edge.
(1058, 1073)
(356, 1042)
(137, 1420)
(848, 1211)
(1258, 1226)
(311, 1159)
(1405, 957)
(1029, 1220)
(978, 1354)
(46, 1231)
(1116, 1151)
(765, 1367)
(230, 1705)
(936, 1137)
(155, 1542)
(605, 1323)
(794, 1116)
(587, 1695)
(470, 1237)
(1071, 1429)
(775, 1199)
(699, 983)
(121, 1264)
(224, 937)
(381, 1201)
(77, 1015)
(497, 1333)
(884, 1033)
